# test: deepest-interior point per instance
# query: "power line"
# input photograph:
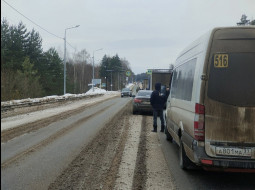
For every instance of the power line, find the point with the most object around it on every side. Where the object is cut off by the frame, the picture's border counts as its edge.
(31, 20)
(71, 46)
(37, 24)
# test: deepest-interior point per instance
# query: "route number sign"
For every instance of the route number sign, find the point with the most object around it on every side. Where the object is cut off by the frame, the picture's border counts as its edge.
(221, 60)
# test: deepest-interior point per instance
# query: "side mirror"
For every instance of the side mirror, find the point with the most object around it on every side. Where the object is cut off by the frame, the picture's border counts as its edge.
(133, 95)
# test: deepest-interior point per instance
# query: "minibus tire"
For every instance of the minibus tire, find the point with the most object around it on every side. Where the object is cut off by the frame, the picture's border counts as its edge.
(184, 160)
(168, 136)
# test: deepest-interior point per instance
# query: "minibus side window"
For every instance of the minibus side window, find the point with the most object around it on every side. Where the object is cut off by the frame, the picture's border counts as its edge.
(174, 83)
(182, 81)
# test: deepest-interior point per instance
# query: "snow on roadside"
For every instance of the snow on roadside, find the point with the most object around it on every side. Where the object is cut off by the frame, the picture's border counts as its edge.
(55, 97)
(21, 119)
(100, 91)
(130, 85)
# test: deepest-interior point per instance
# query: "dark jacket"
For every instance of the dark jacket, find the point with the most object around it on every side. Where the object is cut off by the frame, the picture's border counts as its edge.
(157, 101)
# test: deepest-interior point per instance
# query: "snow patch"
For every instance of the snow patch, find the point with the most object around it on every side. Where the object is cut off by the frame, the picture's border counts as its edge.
(97, 90)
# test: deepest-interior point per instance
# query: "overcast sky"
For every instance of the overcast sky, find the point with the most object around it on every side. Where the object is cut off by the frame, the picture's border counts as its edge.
(148, 33)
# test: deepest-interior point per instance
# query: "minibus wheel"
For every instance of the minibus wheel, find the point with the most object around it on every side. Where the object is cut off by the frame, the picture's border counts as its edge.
(184, 160)
(168, 136)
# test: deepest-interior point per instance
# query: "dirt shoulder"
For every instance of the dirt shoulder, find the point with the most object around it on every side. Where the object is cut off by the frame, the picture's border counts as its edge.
(158, 174)
(124, 155)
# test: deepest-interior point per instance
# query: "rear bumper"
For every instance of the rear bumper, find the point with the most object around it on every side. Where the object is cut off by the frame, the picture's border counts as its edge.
(220, 164)
(223, 164)
(144, 108)
(125, 94)
(234, 164)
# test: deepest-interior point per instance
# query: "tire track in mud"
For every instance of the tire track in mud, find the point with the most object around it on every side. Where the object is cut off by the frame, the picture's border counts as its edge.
(50, 139)
(9, 134)
(112, 173)
(97, 165)
(140, 173)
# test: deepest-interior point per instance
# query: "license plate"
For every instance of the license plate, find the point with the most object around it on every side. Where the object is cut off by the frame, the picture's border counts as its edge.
(146, 102)
(244, 152)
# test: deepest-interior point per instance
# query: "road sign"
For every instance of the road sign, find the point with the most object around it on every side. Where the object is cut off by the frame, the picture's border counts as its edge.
(128, 73)
(149, 71)
(96, 81)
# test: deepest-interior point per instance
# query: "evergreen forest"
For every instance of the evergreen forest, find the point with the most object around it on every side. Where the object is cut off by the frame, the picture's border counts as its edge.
(27, 71)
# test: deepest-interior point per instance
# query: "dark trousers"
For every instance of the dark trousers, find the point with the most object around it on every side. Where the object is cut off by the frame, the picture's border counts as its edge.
(155, 115)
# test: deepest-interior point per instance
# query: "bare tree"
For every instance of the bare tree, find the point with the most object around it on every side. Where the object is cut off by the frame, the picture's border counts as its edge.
(80, 71)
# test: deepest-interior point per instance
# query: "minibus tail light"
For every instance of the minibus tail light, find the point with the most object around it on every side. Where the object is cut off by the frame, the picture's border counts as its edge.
(199, 122)
(199, 109)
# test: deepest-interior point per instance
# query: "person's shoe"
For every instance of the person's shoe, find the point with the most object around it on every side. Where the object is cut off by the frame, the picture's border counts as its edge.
(154, 129)
(162, 128)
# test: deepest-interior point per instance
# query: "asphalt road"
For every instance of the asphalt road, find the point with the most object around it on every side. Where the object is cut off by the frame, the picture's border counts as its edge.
(35, 159)
(200, 179)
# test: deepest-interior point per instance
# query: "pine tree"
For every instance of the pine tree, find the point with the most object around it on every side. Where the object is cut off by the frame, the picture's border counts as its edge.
(25, 68)
(19, 37)
(5, 42)
(51, 73)
(28, 81)
(33, 47)
(244, 21)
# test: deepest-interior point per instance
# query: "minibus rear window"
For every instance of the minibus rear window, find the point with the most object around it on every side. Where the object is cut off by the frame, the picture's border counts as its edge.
(232, 78)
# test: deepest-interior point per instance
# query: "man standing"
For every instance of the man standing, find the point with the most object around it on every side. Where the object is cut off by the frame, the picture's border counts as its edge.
(157, 102)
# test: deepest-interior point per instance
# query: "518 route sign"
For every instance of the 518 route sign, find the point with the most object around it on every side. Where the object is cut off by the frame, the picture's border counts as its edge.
(128, 73)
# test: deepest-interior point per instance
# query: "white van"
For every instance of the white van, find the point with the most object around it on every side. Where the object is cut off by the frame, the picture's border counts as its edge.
(210, 111)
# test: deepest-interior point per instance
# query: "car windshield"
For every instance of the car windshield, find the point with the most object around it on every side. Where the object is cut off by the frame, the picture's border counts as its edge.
(144, 93)
(125, 89)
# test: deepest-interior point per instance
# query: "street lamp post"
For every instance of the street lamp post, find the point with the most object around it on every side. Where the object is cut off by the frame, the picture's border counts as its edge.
(93, 68)
(111, 81)
(65, 57)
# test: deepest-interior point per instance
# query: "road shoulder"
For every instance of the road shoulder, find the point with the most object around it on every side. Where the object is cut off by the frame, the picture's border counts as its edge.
(158, 174)
(26, 118)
